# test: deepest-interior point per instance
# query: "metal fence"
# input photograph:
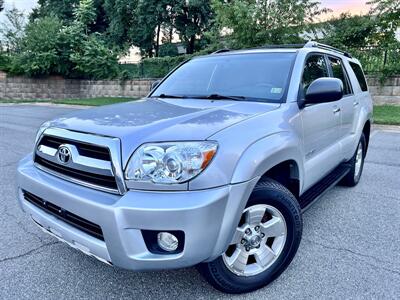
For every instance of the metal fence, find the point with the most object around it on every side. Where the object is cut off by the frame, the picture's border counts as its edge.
(376, 59)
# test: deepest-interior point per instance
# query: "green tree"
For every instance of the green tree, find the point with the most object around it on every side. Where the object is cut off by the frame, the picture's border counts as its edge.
(151, 16)
(347, 31)
(12, 30)
(85, 13)
(121, 15)
(388, 12)
(65, 10)
(255, 22)
(191, 19)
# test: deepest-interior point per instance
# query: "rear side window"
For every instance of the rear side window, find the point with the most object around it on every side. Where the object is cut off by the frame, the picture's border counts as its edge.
(314, 68)
(360, 76)
(339, 73)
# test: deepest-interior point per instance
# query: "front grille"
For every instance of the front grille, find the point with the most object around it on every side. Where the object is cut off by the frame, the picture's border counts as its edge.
(66, 216)
(95, 179)
(84, 149)
(89, 164)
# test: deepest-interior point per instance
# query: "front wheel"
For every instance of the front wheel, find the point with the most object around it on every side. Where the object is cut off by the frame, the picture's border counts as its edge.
(264, 243)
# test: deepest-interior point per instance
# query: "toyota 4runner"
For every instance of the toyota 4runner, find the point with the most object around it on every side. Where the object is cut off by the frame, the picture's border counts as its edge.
(213, 168)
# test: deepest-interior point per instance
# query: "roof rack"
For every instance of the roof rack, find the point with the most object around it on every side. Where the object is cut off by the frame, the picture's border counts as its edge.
(309, 44)
(282, 46)
(312, 44)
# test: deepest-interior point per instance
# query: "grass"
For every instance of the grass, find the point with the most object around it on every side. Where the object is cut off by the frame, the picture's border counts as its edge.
(387, 114)
(90, 101)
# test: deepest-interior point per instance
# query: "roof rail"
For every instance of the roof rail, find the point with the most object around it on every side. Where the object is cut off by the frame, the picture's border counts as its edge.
(283, 46)
(312, 44)
(221, 51)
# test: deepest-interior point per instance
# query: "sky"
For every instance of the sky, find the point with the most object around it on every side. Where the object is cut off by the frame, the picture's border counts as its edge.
(355, 7)
(338, 6)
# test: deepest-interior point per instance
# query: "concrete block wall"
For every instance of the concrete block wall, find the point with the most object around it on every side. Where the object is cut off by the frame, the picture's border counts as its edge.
(22, 88)
(54, 87)
(386, 93)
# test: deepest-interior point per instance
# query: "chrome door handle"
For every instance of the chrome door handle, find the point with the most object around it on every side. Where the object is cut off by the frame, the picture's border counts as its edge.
(336, 110)
(355, 103)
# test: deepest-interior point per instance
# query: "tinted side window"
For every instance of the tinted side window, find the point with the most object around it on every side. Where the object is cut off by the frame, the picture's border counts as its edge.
(360, 76)
(314, 68)
(339, 73)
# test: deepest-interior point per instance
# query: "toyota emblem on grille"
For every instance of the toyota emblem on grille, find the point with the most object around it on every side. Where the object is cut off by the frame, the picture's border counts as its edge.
(63, 154)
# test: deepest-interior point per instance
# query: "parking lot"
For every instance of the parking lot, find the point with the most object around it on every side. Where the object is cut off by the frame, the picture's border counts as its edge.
(350, 246)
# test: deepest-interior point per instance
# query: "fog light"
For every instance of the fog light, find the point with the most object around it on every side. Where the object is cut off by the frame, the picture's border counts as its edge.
(167, 241)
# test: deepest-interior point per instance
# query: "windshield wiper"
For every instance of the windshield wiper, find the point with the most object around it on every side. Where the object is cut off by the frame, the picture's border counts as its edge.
(221, 97)
(169, 96)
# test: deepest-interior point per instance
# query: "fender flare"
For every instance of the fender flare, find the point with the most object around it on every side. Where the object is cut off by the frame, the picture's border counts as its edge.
(363, 118)
(268, 152)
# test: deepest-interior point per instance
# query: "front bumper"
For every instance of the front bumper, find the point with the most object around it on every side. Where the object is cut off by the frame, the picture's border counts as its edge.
(208, 219)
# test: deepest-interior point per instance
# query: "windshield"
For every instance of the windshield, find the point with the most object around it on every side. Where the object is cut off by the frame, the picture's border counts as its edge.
(254, 77)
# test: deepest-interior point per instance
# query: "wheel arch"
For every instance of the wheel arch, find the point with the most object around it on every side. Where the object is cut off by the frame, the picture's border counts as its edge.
(278, 157)
(367, 130)
(287, 174)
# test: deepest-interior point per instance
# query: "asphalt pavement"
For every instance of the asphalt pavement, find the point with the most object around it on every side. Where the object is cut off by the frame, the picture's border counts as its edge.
(350, 246)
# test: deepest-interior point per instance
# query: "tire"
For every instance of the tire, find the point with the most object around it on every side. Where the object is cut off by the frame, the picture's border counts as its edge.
(353, 177)
(282, 208)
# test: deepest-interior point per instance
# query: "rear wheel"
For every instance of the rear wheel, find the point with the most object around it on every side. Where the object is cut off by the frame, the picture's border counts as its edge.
(264, 243)
(357, 164)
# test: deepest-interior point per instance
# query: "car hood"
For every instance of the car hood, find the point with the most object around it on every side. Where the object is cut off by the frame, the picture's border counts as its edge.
(155, 120)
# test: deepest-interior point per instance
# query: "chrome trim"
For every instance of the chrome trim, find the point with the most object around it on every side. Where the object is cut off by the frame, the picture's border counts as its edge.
(113, 145)
(47, 150)
(77, 181)
(78, 162)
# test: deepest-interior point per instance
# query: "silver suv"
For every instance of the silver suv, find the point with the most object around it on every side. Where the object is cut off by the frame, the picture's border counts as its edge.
(214, 168)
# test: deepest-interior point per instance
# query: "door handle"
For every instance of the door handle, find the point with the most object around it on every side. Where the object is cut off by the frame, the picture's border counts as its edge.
(355, 103)
(336, 110)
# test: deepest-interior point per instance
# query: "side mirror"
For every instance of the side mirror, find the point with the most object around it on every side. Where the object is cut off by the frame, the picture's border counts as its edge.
(324, 90)
(154, 85)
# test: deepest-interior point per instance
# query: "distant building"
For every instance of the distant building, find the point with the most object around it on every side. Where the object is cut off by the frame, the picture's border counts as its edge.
(133, 56)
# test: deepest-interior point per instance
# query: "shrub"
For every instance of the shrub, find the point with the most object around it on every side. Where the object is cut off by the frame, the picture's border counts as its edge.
(95, 60)
(168, 49)
(4, 61)
(39, 53)
(153, 67)
(51, 48)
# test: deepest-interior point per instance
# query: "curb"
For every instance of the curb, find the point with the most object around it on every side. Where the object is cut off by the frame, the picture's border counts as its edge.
(48, 104)
(379, 127)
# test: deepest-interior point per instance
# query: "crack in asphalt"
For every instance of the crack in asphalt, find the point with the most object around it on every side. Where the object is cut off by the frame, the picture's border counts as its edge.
(28, 253)
(382, 163)
(357, 254)
(22, 225)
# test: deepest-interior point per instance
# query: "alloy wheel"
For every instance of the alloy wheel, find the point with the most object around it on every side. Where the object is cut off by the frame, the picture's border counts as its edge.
(257, 242)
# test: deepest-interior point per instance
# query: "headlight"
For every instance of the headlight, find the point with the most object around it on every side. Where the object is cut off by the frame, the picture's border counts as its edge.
(174, 162)
(40, 131)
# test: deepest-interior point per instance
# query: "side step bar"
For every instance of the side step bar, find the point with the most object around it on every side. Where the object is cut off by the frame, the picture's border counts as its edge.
(320, 188)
